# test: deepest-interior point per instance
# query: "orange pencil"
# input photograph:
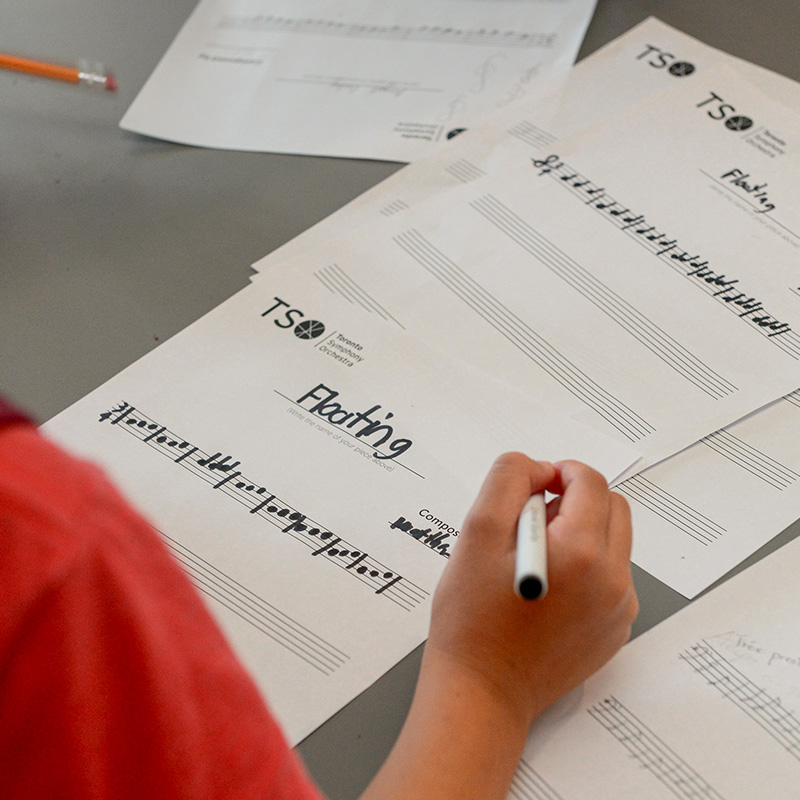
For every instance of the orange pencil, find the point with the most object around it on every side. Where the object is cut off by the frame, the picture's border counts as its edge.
(56, 72)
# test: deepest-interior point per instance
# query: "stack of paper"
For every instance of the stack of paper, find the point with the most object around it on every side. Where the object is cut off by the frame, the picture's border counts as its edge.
(704, 705)
(605, 271)
(311, 468)
(653, 118)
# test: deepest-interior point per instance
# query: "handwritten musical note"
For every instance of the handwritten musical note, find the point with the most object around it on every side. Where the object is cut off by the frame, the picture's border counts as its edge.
(667, 248)
(753, 700)
(651, 751)
(220, 471)
(429, 34)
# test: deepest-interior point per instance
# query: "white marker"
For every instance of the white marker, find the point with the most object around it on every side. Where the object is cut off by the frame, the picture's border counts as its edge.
(530, 578)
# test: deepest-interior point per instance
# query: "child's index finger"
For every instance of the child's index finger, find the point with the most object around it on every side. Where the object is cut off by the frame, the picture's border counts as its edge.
(584, 501)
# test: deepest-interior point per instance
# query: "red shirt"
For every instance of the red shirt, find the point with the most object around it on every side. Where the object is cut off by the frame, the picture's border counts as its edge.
(115, 682)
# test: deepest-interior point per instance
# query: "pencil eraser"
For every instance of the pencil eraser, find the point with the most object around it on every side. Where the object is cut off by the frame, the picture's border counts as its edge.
(111, 83)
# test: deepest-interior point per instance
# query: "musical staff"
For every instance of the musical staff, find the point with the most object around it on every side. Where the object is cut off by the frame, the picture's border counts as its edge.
(630, 319)
(532, 135)
(427, 34)
(258, 613)
(221, 473)
(667, 249)
(651, 752)
(350, 84)
(528, 784)
(793, 398)
(765, 710)
(521, 336)
(395, 207)
(336, 280)
(464, 171)
(677, 513)
(749, 458)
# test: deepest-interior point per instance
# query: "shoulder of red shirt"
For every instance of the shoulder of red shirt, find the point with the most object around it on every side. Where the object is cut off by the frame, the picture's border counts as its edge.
(114, 679)
(10, 414)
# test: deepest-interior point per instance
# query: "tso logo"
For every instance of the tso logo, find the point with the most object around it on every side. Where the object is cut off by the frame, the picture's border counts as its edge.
(660, 59)
(307, 329)
(718, 109)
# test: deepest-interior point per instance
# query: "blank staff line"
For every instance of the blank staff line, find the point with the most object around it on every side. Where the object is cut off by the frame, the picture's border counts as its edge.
(395, 207)
(256, 619)
(273, 628)
(340, 282)
(656, 340)
(522, 336)
(531, 134)
(681, 515)
(333, 284)
(793, 398)
(464, 171)
(325, 281)
(750, 459)
(337, 285)
(528, 784)
(435, 34)
(651, 751)
(516, 331)
(237, 611)
(288, 628)
(763, 709)
(513, 329)
(348, 281)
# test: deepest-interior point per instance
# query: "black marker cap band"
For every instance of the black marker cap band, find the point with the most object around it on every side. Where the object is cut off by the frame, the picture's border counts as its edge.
(530, 588)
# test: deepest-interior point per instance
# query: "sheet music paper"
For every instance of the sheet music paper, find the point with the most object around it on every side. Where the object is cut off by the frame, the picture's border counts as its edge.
(646, 60)
(702, 511)
(618, 271)
(310, 469)
(704, 705)
(353, 78)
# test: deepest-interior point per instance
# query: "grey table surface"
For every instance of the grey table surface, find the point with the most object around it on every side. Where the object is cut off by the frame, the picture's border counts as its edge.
(110, 242)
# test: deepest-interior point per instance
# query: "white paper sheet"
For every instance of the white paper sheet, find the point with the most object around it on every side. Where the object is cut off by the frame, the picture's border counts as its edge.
(347, 78)
(704, 705)
(311, 469)
(644, 61)
(619, 272)
(701, 512)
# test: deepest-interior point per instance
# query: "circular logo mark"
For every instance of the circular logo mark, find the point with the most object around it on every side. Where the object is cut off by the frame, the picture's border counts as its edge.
(680, 69)
(738, 123)
(453, 133)
(309, 329)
